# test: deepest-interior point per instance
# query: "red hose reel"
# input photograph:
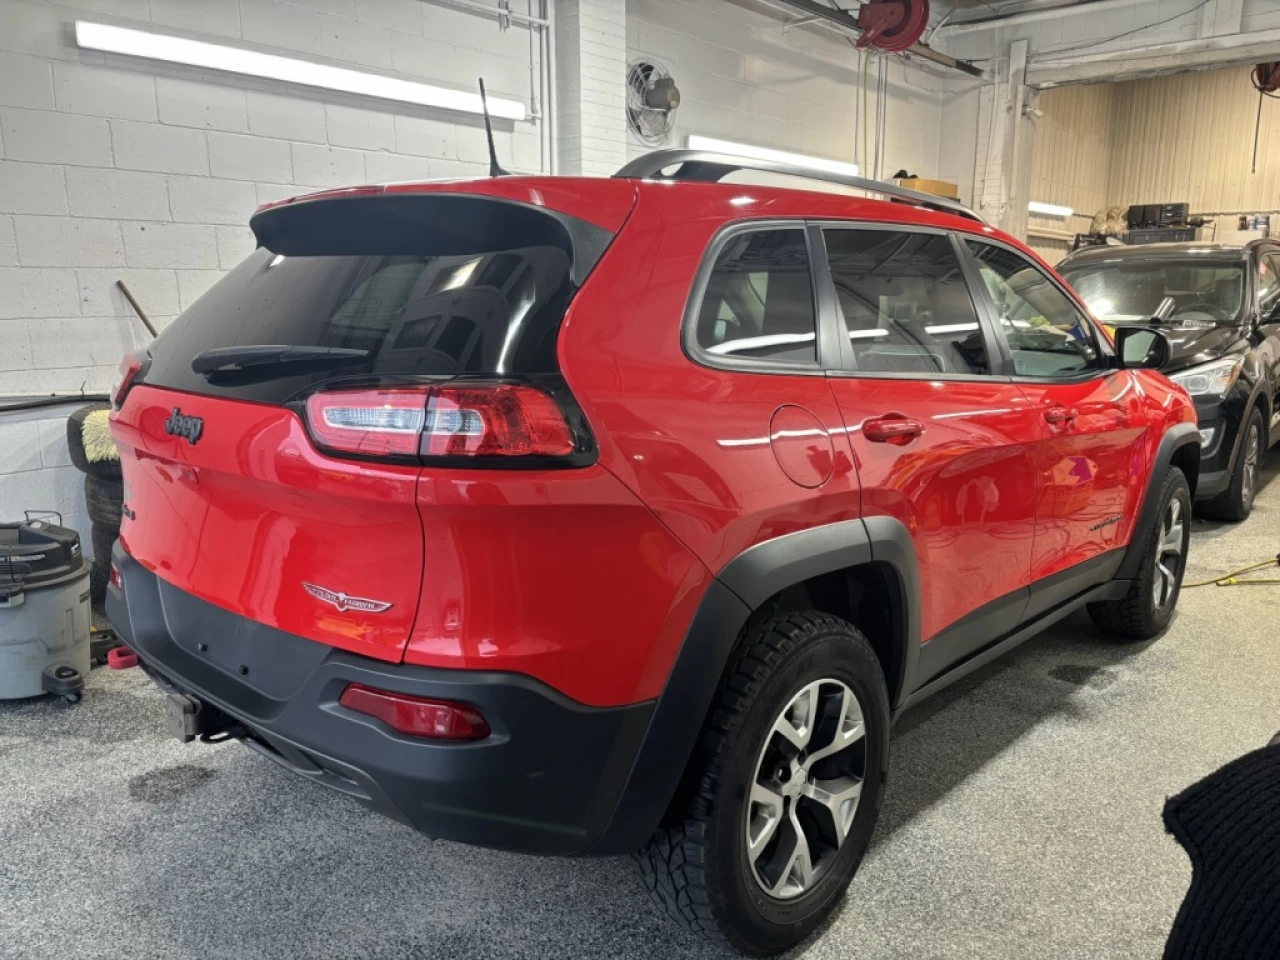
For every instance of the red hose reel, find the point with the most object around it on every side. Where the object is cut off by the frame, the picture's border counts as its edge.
(892, 25)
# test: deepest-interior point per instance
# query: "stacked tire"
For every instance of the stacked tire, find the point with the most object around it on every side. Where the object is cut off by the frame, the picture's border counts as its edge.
(104, 499)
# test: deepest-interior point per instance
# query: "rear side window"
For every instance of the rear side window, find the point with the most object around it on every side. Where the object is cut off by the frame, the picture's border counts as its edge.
(758, 301)
(905, 303)
(410, 288)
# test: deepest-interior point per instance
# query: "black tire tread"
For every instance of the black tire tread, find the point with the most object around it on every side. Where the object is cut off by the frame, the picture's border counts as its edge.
(673, 864)
(1126, 618)
(101, 469)
(1228, 506)
(104, 501)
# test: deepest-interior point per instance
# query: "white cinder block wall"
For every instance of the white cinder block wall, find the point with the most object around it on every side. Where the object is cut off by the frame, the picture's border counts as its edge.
(119, 169)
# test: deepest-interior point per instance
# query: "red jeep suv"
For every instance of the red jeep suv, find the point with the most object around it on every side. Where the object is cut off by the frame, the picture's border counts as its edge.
(593, 516)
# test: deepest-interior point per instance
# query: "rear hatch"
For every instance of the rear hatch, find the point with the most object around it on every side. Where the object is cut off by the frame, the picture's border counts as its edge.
(268, 443)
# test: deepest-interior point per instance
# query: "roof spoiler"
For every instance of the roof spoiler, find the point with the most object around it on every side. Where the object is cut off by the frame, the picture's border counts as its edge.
(704, 166)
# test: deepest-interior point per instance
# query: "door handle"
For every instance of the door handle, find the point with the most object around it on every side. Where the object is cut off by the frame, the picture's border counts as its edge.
(1056, 415)
(896, 430)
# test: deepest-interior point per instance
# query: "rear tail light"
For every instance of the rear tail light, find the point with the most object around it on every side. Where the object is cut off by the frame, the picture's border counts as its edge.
(114, 578)
(504, 422)
(416, 716)
(132, 367)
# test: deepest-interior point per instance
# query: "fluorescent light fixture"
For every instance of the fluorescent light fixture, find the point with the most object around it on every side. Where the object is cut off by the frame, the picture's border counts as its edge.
(764, 153)
(251, 63)
(1049, 209)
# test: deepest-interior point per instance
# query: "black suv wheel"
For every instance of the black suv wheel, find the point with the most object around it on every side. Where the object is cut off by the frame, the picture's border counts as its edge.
(1147, 607)
(1236, 502)
(789, 777)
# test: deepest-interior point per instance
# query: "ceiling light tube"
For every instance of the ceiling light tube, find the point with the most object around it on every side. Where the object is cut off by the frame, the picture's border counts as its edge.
(251, 63)
(1049, 209)
(696, 142)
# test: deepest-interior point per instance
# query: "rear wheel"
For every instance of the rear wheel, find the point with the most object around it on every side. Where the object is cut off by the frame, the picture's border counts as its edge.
(1236, 502)
(789, 777)
(1147, 606)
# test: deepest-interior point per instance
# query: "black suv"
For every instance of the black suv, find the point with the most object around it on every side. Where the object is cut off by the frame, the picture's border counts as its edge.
(1219, 306)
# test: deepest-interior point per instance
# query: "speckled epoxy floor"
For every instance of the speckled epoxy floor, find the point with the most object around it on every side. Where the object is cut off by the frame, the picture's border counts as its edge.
(1022, 821)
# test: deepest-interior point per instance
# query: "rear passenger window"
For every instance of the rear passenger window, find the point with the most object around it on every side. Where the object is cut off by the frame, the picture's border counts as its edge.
(905, 303)
(758, 304)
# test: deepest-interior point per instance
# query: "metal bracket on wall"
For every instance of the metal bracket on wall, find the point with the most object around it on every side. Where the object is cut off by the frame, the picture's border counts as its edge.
(504, 15)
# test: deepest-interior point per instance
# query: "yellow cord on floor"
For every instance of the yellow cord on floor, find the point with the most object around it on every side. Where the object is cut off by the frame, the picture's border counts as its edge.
(1232, 579)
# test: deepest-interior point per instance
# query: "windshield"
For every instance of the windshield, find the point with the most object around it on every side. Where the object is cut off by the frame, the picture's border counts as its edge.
(1201, 294)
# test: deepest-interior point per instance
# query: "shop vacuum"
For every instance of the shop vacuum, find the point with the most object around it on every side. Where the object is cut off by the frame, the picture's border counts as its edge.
(44, 610)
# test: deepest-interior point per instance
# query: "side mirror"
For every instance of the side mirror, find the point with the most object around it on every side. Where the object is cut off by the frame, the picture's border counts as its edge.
(1142, 348)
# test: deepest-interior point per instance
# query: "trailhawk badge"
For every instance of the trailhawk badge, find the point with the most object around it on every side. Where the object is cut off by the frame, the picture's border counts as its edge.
(343, 602)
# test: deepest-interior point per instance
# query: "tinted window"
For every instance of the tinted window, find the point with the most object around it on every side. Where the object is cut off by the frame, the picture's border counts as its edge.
(905, 303)
(1047, 334)
(419, 300)
(758, 304)
(1269, 284)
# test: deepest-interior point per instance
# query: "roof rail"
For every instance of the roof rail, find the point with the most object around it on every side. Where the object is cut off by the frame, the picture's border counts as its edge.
(705, 166)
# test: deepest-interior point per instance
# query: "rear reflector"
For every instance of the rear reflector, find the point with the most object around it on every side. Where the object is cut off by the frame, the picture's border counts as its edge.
(131, 367)
(114, 578)
(415, 716)
(478, 420)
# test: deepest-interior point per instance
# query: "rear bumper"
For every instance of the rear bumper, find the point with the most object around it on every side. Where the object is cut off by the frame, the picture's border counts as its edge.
(548, 779)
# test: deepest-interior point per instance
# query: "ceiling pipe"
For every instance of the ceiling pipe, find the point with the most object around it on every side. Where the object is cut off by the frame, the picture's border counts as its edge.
(843, 20)
(957, 27)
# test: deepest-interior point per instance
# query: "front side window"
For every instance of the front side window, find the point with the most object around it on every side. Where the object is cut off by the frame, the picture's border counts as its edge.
(758, 303)
(1269, 284)
(1047, 334)
(905, 304)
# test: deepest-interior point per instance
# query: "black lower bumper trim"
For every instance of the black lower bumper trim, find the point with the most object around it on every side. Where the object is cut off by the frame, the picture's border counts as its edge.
(546, 781)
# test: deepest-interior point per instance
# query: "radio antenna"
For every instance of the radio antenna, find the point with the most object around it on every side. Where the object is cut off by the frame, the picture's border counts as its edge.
(495, 169)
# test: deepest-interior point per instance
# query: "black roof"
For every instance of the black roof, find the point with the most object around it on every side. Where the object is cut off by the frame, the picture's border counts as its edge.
(1164, 251)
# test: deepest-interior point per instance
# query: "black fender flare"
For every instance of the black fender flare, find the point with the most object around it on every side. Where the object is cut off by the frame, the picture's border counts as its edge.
(1178, 436)
(745, 583)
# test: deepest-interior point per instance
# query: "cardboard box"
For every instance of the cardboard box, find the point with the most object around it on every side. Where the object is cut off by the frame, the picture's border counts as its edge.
(939, 188)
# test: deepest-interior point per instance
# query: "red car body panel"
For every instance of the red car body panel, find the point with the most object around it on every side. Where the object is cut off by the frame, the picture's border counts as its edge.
(587, 579)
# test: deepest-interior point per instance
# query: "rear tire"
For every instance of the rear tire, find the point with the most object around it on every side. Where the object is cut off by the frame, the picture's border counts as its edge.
(1147, 607)
(730, 867)
(104, 501)
(102, 469)
(1236, 503)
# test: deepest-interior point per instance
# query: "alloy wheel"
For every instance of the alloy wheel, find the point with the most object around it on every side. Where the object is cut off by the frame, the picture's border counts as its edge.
(1252, 458)
(1169, 554)
(806, 788)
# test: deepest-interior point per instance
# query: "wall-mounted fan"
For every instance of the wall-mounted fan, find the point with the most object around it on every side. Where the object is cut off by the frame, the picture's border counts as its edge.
(652, 98)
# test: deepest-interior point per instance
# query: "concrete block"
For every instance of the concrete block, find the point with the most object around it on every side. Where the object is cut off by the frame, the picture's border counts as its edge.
(15, 344)
(335, 8)
(19, 383)
(526, 152)
(80, 342)
(209, 200)
(193, 283)
(473, 145)
(55, 138)
(424, 137)
(361, 128)
(117, 194)
(181, 246)
(25, 82)
(187, 103)
(456, 169)
(280, 25)
(404, 16)
(37, 31)
(155, 290)
(236, 157)
(124, 9)
(27, 293)
(355, 42)
(32, 188)
(104, 91)
(53, 441)
(326, 166)
(392, 168)
(63, 242)
(289, 118)
(20, 441)
(150, 146)
(208, 16)
(8, 242)
(234, 244)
